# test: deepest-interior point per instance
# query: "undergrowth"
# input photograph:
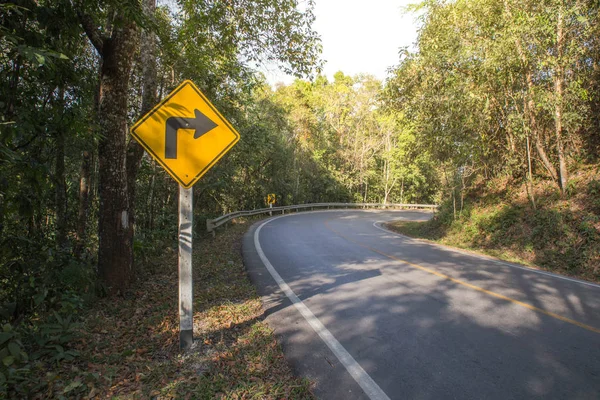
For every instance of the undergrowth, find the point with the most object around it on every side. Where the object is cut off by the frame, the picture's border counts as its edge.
(562, 234)
(127, 347)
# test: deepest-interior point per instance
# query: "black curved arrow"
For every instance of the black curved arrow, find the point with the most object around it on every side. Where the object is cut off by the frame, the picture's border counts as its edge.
(200, 122)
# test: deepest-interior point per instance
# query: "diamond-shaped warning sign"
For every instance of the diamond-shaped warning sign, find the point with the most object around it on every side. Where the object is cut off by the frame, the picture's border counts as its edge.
(186, 134)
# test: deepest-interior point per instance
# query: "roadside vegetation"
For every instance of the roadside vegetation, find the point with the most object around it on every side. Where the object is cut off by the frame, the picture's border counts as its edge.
(561, 235)
(504, 96)
(127, 347)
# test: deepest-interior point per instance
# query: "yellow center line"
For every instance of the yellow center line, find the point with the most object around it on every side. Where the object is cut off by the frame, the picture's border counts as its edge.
(466, 284)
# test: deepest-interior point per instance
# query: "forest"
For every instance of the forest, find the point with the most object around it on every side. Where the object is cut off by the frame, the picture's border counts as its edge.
(494, 115)
(504, 96)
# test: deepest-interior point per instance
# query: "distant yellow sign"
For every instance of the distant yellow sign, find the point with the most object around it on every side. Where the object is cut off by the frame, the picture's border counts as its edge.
(271, 199)
(186, 134)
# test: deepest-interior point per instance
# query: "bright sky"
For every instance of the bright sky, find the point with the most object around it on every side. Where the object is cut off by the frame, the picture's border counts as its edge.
(360, 36)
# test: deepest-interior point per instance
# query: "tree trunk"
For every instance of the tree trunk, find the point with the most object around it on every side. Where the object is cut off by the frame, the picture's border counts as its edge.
(151, 200)
(13, 88)
(84, 193)
(61, 187)
(297, 183)
(462, 192)
(115, 249)
(539, 146)
(558, 89)
(385, 178)
(402, 191)
(454, 202)
(529, 177)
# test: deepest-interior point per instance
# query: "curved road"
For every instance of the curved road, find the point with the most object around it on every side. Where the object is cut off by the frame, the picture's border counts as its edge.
(368, 314)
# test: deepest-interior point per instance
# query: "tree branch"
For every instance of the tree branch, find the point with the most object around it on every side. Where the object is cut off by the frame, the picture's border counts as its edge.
(92, 31)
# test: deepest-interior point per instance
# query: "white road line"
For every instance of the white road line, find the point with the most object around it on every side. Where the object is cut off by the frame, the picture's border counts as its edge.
(372, 390)
(550, 274)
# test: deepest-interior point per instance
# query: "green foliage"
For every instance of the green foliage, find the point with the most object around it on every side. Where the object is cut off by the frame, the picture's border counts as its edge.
(498, 95)
(346, 146)
(26, 349)
(484, 80)
(49, 84)
(593, 191)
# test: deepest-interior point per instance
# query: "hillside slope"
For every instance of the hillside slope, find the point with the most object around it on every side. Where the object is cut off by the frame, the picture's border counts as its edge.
(560, 235)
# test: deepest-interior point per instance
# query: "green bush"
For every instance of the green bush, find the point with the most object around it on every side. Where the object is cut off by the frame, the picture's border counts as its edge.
(28, 347)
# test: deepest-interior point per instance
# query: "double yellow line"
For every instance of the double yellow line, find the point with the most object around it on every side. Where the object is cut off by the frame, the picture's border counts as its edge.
(466, 284)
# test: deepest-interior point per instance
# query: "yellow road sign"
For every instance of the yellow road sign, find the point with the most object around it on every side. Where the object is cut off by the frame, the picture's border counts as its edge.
(186, 134)
(271, 199)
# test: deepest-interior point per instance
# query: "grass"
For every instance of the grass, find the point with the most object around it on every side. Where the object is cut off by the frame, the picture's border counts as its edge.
(423, 230)
(128, 347)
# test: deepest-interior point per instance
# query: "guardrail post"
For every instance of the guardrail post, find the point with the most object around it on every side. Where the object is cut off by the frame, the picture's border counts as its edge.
(210, 227)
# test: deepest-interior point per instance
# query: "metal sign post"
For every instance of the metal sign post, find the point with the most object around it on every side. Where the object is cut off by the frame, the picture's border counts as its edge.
(270, 201)
(186, 222)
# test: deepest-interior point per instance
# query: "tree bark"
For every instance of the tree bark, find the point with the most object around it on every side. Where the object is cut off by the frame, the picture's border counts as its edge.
(115, 248)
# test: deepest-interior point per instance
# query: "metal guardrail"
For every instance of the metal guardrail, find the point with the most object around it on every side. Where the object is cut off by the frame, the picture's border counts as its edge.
(212, 224)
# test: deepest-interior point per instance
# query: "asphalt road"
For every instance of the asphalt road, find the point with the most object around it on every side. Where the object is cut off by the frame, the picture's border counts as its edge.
(365, 313)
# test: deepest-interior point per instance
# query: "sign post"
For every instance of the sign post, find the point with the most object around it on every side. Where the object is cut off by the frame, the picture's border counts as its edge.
(186, 288)
(270, 201)
(186, 135)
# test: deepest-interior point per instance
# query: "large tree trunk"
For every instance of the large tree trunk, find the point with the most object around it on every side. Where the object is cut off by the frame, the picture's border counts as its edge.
(115, 250)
